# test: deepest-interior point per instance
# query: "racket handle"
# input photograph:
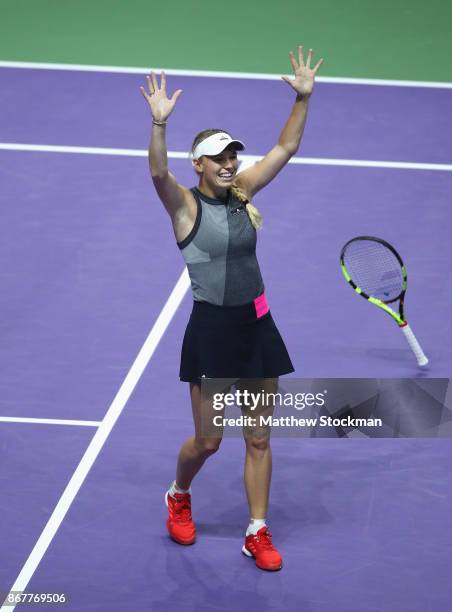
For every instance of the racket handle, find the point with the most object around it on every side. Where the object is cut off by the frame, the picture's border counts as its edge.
(415, 346)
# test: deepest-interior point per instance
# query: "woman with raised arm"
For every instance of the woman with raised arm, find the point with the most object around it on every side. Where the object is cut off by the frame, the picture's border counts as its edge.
(231, 333)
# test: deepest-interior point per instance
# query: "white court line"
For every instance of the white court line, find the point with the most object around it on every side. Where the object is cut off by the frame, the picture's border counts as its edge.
(101, 435)
(220, 74)
(4, 419)
(248, 160)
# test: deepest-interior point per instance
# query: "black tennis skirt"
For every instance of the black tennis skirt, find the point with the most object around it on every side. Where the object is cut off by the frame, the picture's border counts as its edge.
(232, 342)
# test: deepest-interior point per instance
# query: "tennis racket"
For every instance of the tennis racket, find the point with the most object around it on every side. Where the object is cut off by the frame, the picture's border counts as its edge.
(376, 272)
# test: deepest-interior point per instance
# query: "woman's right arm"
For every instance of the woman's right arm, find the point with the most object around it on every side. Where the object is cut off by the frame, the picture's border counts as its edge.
(173, 195)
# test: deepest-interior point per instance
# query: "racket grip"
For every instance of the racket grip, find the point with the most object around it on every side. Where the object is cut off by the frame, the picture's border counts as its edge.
(415, 346)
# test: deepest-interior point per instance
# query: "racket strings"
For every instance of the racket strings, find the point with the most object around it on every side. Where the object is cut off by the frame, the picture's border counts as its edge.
(375, 269)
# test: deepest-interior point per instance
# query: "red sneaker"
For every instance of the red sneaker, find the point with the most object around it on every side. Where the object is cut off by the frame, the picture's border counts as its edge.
(261, 548)
(180, 524)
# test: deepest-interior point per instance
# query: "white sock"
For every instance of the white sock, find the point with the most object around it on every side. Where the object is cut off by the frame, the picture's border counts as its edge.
(254, 526)
(175, 489)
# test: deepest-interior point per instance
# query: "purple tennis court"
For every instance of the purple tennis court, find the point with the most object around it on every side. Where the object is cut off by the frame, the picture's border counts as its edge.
(89, 262)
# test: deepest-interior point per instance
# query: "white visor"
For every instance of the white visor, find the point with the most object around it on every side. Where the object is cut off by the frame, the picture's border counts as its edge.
(215, 144)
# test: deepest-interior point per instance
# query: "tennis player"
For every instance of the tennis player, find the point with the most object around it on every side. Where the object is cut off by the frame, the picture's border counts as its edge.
(231, 332)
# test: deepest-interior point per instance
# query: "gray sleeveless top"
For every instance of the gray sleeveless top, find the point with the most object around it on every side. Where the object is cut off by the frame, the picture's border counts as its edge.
(220, 253)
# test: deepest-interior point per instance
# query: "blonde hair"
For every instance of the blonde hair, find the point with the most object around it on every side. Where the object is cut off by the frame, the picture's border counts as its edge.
(253, 213)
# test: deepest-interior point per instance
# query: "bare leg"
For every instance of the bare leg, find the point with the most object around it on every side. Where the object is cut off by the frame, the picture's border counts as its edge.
(258, 473)
(258, 460)
(199, 447)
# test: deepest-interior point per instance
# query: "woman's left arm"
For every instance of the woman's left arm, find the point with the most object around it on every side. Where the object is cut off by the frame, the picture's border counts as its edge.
(260, 174)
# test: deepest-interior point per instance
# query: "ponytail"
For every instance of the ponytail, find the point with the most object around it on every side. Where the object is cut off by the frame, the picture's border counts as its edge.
(253, 213)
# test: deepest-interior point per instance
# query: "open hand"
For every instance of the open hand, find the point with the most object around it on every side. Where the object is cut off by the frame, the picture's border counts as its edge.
(303, 83)
(161, 105)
